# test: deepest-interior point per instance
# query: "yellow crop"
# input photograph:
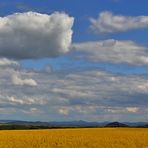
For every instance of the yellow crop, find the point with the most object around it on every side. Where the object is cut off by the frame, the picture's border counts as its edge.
(76, 138)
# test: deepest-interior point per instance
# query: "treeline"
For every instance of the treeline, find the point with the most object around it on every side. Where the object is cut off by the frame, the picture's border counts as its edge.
(21, 127)
(27, 127)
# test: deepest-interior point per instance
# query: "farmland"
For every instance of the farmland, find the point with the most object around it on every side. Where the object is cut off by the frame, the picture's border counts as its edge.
(75, 138)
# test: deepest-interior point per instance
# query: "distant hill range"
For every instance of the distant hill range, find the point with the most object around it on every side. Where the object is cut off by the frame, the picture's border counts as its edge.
(116, 124)
(54, 123)
(15, 124)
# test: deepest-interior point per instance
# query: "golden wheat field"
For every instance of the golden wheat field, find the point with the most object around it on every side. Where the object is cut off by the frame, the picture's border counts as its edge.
(76, 138)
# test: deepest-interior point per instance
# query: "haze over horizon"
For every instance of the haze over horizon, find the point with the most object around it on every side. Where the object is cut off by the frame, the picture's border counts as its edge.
(73, 60)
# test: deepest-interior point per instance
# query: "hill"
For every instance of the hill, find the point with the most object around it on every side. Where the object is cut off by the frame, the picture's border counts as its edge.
(116, 124)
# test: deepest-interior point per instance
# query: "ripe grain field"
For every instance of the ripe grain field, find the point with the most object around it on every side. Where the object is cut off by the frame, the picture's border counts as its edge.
(76, 138)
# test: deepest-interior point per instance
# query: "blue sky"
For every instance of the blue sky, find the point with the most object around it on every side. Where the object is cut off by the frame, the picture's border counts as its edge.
(72, 60)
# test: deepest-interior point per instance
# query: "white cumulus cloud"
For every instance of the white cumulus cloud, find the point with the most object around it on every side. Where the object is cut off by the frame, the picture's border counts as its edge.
(63, 111)
(34, 35)
(132, 109)
(7, 62)
(113, 51)
(18, 81)
(107, 22)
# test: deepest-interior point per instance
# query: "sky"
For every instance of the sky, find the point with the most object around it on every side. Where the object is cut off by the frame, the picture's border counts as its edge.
(64, 60)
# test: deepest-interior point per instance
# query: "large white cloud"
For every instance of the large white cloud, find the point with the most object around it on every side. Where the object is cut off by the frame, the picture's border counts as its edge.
(110, 23)
(35, 35)
(113, 51)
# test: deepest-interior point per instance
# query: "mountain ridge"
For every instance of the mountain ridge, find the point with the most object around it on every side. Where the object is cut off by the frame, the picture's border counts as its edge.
(79, 123)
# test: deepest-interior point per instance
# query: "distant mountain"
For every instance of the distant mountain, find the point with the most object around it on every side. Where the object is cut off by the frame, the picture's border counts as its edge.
(55, 123)
(36, 123)
(80, 123)
(17, 122)
(136, 123)
(5, 121)
(116, 124)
